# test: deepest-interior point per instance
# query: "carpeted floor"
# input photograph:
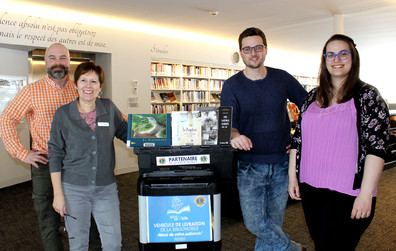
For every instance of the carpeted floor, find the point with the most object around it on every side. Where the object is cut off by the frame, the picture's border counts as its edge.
(19, 230)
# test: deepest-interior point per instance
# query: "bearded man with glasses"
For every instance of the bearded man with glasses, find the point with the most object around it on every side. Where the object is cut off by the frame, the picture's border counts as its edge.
(261, 133)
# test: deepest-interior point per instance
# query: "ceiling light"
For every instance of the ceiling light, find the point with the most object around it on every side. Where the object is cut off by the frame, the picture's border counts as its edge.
(214, 13)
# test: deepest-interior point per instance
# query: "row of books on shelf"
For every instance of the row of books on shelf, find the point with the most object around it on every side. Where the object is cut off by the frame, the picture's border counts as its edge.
(196, 71)
(194, 84)
(195, 106)
(165, 83)
(187, 96)
(200, 84)
(195, 96)
(168, 108)
(159, 109)
(216, 84)
(163, 69)
(207, 126)
(222, 73)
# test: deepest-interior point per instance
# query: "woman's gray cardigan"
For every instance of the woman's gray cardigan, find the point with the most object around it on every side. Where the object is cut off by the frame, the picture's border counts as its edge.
(86, 157)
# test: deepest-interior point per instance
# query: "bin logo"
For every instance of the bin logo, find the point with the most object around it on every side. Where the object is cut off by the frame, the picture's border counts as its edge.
(177, 206)
(200, 201)
(162, 161)
(204, 159)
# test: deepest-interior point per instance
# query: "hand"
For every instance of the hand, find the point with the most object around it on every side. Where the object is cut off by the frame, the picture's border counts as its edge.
(294, 189)
(59, 205)
(36, 156)
(361, 207)
(241, 142)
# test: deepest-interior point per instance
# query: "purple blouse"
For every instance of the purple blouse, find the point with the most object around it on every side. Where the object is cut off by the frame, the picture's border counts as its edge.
(330, 147)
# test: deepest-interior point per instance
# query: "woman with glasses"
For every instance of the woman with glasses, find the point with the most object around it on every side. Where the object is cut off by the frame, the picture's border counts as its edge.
(338, 150)
(82, 160)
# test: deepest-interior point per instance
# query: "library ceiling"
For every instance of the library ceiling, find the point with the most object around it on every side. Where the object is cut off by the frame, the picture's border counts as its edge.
(300, 26)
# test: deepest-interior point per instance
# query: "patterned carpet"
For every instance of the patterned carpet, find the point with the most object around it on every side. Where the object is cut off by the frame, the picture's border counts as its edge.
(19, 230)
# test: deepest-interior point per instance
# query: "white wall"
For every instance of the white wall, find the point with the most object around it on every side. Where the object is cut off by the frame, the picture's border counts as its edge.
(377, 67)
(14, 63)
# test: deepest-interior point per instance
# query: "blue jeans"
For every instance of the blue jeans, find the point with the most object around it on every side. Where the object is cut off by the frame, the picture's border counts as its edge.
(263, 197)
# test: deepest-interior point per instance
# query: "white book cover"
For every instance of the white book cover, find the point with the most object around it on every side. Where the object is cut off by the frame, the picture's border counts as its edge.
(186, 128)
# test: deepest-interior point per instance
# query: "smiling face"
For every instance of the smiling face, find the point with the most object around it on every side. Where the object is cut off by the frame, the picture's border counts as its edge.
(88, 87)
(255, 59)
(57, 61)
(338, 69)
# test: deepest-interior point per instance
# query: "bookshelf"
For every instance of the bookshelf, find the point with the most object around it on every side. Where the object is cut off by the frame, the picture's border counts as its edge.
(185, 87)
(307, 82)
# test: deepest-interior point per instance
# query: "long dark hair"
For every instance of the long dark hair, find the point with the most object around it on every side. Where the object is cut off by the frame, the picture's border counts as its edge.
(352, 82)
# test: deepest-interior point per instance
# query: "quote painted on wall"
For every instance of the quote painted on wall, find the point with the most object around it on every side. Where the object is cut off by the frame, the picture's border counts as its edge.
(35, 30)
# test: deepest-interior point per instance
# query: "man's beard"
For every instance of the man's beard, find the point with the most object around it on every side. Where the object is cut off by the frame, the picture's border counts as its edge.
(58, 74)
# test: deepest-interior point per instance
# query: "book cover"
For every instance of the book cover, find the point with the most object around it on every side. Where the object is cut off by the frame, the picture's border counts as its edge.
(186, 128)
(153, 98)
(157, 97)
(149, 130)
(225, 125)
(172, 97)
(164, 97)
(209, 125)
(215, 97)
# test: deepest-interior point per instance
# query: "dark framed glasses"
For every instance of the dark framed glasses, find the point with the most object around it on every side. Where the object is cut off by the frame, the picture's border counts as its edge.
(249, 49)
(342, 55)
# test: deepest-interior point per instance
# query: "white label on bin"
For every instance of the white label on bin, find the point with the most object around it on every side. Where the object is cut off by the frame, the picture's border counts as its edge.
(183, 160)
(181, 246)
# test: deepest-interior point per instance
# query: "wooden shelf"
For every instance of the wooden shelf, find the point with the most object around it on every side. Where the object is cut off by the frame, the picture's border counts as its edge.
(193, 85)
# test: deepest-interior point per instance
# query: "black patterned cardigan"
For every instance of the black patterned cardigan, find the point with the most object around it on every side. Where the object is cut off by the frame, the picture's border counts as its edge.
(373, 123)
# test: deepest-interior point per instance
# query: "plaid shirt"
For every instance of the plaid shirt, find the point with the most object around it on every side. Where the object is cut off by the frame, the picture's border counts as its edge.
(38, 101)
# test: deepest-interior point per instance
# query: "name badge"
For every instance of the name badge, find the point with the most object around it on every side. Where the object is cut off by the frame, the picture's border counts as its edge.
(106, 124)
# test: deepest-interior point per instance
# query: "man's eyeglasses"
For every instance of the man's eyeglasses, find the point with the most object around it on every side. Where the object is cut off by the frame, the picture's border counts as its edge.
(342, 55)
(257, 48)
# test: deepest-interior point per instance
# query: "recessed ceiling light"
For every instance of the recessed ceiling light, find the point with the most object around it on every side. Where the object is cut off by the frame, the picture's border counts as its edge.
(214, 13)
